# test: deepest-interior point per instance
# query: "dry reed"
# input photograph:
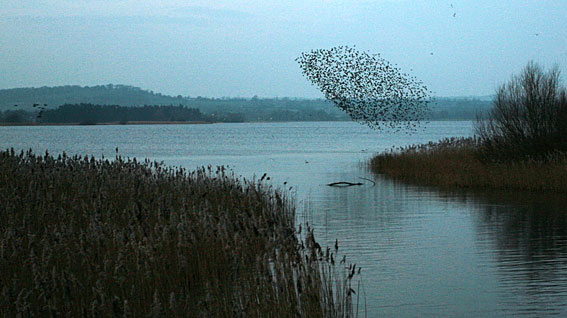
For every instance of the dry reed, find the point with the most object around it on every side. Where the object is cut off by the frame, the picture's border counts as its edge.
(86, 237)
(456, 163)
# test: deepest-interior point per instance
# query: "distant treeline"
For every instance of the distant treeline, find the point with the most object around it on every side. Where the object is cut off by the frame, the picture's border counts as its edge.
(17, 116)
(445, 108)
(13, 101)
(92, 114)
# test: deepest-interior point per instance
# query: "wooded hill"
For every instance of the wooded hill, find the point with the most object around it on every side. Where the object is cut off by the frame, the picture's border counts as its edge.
(223, 109)
(54, 97)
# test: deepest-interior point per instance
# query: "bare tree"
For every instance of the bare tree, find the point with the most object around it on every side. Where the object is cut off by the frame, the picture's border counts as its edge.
(529, 118)
(367, 87)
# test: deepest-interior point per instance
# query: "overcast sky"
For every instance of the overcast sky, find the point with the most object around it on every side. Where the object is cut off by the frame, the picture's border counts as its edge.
(245, 48)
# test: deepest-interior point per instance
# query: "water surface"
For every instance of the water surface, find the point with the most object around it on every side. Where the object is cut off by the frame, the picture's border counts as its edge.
(423, 252)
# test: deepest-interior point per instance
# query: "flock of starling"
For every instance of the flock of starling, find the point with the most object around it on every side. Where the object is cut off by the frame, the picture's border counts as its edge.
(368, 88)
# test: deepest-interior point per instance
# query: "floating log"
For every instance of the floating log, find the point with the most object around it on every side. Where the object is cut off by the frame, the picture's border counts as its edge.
(344, 184)
(349, 184)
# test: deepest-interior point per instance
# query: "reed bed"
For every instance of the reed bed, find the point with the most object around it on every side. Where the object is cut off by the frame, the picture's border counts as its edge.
(458, 163)
(86, 237)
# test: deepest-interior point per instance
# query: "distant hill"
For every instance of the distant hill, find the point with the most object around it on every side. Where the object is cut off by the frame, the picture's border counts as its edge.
(221, 109)
(54, 97)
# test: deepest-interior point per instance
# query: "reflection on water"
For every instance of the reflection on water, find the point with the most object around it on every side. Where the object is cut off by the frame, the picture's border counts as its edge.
(427, 252)
(423, 252)
(527, 236)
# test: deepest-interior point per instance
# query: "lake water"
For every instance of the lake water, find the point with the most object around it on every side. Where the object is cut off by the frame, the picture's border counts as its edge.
(423, 252)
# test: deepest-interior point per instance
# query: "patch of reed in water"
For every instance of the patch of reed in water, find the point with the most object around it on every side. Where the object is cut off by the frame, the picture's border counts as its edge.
(85, 237)
(458, 163)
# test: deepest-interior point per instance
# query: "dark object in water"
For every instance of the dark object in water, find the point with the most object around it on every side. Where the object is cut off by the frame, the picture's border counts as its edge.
(349, 184)
(344, 184)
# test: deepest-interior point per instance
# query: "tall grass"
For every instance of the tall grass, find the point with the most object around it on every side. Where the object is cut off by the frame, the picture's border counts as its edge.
(86, 237)
(458, 163)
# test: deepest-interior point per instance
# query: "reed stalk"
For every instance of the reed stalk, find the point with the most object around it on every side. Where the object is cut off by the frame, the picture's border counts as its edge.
(86, 237)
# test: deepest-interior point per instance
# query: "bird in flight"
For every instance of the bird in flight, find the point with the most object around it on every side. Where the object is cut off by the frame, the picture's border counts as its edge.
(368, 88)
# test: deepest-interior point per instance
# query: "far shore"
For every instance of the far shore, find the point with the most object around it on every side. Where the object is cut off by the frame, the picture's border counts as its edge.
(116, 123)
(112, 123)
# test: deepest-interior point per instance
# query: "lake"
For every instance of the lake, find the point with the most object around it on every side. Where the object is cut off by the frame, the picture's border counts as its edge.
(423, 252)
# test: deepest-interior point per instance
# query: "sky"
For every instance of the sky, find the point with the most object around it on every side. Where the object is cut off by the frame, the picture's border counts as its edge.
(243, 48)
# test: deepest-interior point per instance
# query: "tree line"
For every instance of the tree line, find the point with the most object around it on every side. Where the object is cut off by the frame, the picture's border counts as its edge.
(92, 114)
(223, 109)
(85, 113)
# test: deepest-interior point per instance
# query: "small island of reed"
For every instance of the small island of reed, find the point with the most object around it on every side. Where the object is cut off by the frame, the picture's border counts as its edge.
(458, 163)
(521, 144)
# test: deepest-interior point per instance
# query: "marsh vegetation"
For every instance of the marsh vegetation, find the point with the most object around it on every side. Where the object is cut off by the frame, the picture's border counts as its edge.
(457, 163)
(521, 145)
(86, 237)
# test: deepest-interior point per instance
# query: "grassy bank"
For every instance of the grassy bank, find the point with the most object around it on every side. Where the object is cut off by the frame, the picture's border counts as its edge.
(456, 163)
(85, 237)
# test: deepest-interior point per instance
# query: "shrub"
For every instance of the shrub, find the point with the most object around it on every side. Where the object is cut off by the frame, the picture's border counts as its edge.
(529, 118)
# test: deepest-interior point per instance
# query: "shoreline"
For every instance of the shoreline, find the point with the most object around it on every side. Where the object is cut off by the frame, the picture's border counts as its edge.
(114, 123)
